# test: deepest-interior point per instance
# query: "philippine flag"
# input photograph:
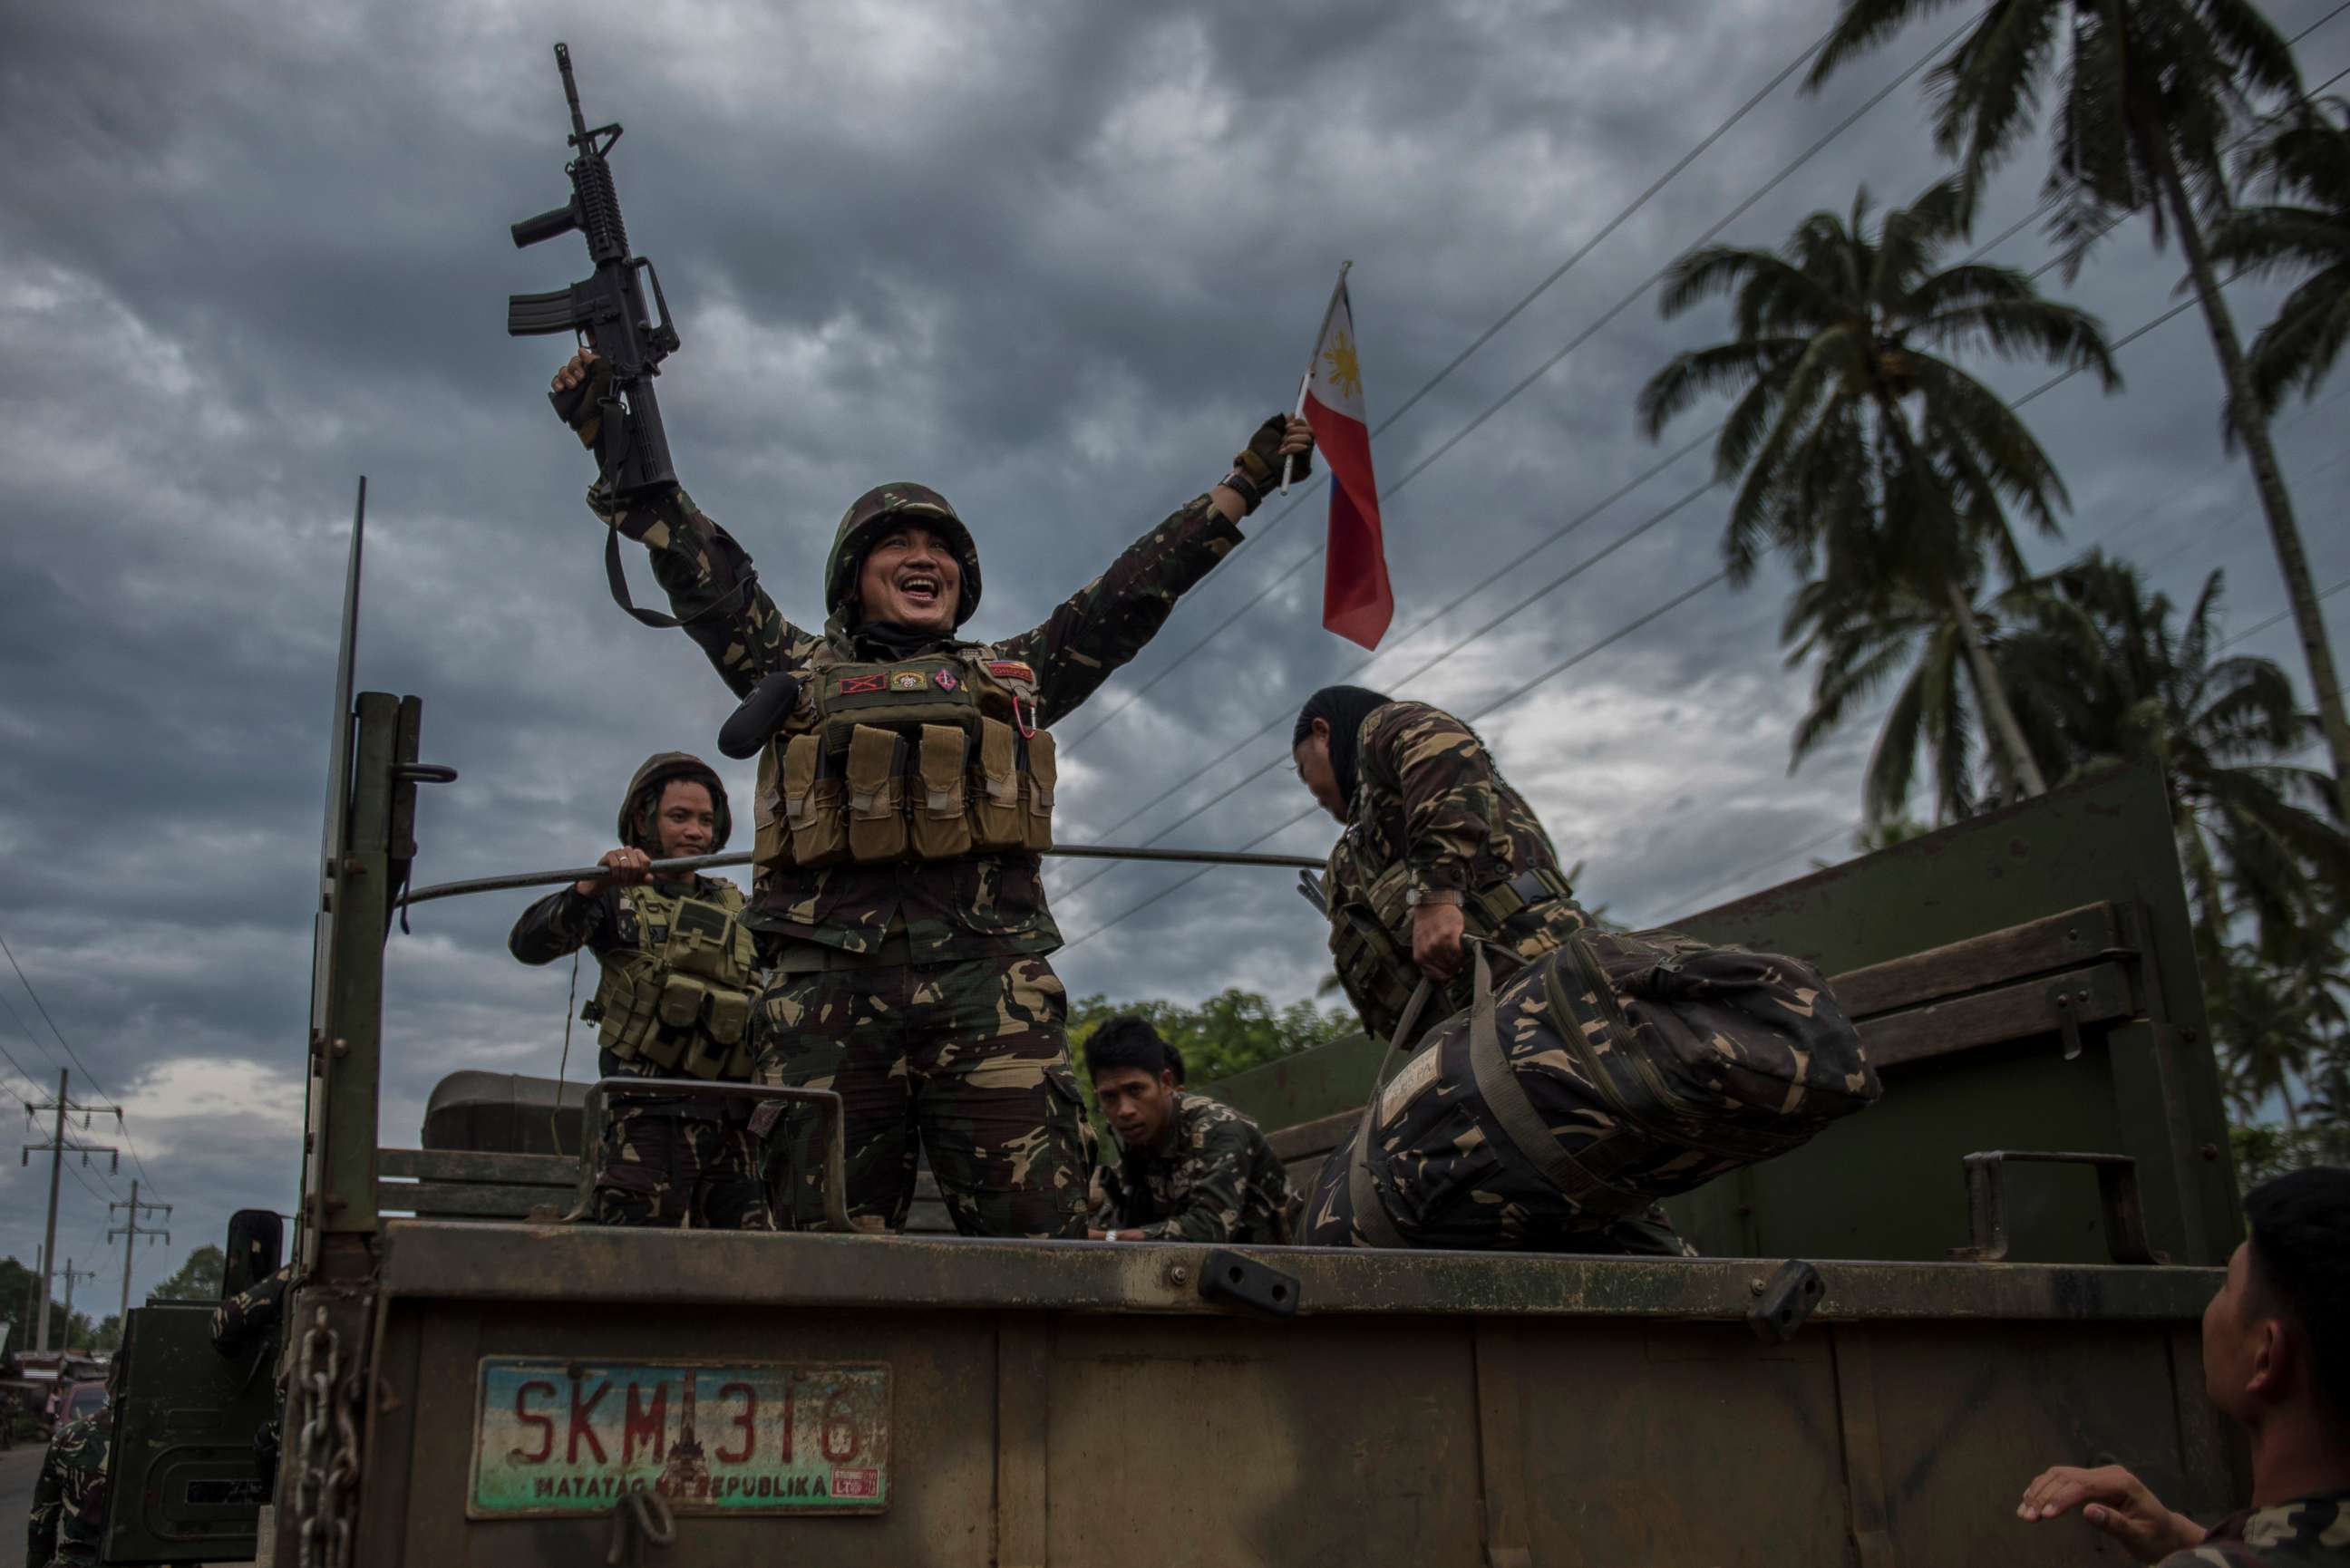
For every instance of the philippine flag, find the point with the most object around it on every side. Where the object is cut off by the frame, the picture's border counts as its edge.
(1356, 602)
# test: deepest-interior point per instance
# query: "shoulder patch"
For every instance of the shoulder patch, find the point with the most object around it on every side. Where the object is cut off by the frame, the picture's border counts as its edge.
(1010, 670)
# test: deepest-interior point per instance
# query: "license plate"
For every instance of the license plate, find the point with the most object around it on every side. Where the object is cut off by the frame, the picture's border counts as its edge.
(738, 1437)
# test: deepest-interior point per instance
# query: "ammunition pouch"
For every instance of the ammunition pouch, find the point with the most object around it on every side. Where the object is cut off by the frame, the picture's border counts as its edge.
(681, 999)
(924, 759)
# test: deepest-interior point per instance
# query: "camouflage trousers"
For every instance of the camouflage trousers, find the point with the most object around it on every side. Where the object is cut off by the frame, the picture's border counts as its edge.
(968, 1061)
(665, 1169)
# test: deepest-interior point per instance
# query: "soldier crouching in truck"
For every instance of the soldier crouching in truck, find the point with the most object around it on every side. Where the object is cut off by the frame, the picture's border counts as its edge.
(1189, 1169)
(1438, 848)
(905, 790)
(680, 972)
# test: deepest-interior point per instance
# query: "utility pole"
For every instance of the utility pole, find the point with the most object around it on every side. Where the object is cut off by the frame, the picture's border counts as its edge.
(72, 1274)
(131, 1233)
(32, 1306)
(57, 1149)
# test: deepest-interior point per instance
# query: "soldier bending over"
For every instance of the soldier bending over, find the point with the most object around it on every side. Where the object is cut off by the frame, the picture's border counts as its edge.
(679, 972)
(1437, 847)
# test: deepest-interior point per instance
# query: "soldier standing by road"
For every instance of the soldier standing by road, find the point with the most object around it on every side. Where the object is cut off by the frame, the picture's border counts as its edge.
(906, 782)
(1437, 848)
(69, 1515)
(680, 971)
(1190, 1170)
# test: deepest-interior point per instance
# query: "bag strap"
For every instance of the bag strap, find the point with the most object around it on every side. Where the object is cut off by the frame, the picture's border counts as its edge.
(1498, 1085)
(1362, 1193)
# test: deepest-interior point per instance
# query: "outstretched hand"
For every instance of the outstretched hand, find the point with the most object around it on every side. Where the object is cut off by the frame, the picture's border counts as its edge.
(577, 389)
(2115, 1501)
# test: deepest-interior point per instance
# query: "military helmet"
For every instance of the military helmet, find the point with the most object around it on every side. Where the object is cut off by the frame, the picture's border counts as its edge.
(871, 514)
(644, 793)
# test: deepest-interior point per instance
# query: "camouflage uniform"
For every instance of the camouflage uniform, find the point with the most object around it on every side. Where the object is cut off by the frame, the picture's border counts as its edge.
(250, 1314)
(673, 1159)
(932, 1011)
(70, 1499)
(2307, 1533)
(1432, 814)
(238, 1322)
(1212, 1178)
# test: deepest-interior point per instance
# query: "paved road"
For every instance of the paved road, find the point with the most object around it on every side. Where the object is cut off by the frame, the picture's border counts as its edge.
(19, 1467)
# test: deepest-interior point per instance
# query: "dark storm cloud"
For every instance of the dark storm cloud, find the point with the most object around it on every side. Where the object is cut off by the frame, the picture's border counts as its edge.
(1058, 260)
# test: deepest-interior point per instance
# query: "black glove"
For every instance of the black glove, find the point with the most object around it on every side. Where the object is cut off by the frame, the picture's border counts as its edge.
(1257, 467)
(581, 406)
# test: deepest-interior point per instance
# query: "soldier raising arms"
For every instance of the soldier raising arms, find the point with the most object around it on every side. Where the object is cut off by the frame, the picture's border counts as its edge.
(679, 972)
(906, 780)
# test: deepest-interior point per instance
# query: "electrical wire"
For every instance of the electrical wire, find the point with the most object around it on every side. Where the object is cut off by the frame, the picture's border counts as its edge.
(1281, 715)
(2047, 386)
(1389, 491)
(42, 1008)
(1301, 562)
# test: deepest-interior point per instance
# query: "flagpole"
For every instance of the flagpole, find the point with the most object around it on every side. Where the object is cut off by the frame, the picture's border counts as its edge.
(1337, 290)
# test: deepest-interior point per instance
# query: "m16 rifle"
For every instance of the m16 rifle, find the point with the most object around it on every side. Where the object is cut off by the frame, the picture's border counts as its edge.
(607, 309)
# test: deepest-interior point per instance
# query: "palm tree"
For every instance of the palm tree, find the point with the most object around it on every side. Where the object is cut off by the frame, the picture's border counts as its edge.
(2149, 90)
(1864, 450)
(2129, 678)
(2268, 1040)
(1856, 642)
(2307, 159)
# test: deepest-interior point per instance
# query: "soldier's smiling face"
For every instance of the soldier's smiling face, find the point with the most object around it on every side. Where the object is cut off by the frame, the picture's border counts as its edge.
(1136, 1103)
(913, 578)
(1312, 756)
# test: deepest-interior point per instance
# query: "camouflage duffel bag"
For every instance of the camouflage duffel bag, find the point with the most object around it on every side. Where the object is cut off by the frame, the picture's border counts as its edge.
(1602, 1076)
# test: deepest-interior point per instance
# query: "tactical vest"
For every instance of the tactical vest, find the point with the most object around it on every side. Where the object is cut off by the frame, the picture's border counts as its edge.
(1370, 923)
(681, 998)
(920, 759)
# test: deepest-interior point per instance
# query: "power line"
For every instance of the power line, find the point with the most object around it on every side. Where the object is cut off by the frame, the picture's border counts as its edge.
(1689, 593)
(1281, 715)
(1389, 491)
(1560, 667)
(2027, 397)
(43, 1008)
(1302, 561)
(2286, 613)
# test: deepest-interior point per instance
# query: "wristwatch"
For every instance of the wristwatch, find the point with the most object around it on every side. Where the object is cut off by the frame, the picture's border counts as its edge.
(1415, 896)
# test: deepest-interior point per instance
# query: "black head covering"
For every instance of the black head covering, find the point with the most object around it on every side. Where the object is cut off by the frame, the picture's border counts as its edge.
(1344, 709)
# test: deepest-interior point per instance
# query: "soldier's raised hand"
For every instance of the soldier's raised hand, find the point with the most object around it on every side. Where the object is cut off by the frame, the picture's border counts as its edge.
(623, 868)
(577, 388)
(2113, 1501)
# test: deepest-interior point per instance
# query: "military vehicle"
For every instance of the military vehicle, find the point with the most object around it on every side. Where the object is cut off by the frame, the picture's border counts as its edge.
(2000, 1267)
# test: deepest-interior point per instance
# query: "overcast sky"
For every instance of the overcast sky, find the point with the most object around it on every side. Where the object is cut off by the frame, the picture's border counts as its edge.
(1053, 259)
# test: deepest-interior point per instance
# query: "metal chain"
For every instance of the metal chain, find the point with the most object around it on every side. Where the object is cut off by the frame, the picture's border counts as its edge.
(637, 1518)
(316, 1384)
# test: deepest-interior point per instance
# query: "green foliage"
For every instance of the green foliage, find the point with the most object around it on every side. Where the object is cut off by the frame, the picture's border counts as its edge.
(2305, 163)
(2143, 93)
(18, 1295)
(199, 1278)
(1884, 471)
(1230, 1033)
